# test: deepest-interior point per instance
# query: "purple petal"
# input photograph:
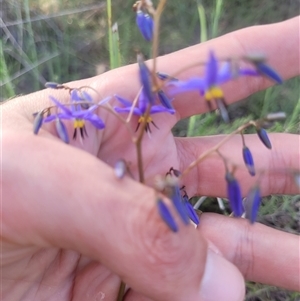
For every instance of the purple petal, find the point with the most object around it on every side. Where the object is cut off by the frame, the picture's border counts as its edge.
(75, 95)
(165, 214)
(248, 72)
(224, 73)
(211, 70)
(195, 83)
(61, 106)
(96, 121)
(161, 109)
(145, 79)
(136, 111)
(123, 101)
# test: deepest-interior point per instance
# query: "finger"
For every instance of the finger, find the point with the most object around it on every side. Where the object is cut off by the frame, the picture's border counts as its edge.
(272, 166)
(80, 205)
(261, 253)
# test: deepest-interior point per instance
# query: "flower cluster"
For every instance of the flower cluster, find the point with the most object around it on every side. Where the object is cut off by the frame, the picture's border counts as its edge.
(156, 94)
(80, 110)
(180, 201)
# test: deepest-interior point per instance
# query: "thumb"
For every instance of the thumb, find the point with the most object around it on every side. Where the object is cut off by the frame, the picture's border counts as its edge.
(59, 196)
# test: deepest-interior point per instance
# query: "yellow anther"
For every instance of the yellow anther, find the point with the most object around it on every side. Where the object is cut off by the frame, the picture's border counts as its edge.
(142, 119)
(78, 123)
(214, 93)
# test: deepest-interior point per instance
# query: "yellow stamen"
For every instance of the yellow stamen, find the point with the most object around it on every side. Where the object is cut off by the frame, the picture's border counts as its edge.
(78, 123)
(213, 93)
(142, 119)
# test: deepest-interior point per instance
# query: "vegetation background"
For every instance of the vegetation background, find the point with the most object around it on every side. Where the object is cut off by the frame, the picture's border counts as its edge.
(64, 40)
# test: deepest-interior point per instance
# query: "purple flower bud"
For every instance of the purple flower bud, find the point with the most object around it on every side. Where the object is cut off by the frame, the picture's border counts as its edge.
(178, 204)
(248, 159)
(269, 72)
(86, 96)
(234, 195)
(252, 204)
(38, 122)
(166, 215)
(61, 130)
(53, 85)
(145, 24)
(164, 100)
(263, 136)
(191, 211)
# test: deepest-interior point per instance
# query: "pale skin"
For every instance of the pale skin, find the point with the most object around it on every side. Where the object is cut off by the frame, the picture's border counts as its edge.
(70, 229)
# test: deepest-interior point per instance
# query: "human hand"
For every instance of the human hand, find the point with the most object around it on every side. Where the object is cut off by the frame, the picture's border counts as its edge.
(68, 232)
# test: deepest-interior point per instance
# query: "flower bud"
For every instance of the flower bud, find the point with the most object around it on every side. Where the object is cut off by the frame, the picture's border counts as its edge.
(191, 211)
(269, 72)
(62, 130)
(252, 204)
(248, 159)
(53, 85)
(234, 195)
(166, 215)
(164, 100)
(145, 24)
(38, 122)
(263, 136)
(145, 79)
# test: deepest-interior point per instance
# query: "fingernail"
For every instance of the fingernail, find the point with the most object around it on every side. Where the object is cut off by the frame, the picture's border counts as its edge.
(221, 280)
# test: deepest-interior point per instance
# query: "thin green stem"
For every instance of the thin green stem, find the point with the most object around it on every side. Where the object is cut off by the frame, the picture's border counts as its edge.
(138, 143)
(155, 44)
(110, 41)
(217, 14)
(202, 20)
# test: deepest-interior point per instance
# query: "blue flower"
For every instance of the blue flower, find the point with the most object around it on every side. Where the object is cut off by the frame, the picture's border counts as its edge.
(78, 115)
(209, 85)
(145, 24)
(141, 109)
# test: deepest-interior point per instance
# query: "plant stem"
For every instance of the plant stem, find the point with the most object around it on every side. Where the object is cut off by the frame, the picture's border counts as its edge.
(110, 41)
(121, 291)
(155, 44)
(217, 146)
